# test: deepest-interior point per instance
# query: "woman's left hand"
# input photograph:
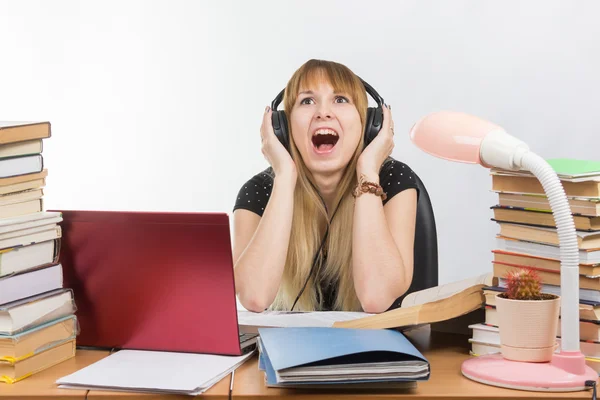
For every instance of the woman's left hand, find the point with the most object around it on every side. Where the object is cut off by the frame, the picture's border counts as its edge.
(379, 149)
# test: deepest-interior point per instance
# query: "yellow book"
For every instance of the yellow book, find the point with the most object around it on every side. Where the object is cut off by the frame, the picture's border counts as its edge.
(14, 372)
(16, 348)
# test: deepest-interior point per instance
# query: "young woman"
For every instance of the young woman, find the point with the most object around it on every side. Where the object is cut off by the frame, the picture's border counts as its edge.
(281, 215)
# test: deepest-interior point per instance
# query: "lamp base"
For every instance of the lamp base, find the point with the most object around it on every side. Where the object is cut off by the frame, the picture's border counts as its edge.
(495, 370)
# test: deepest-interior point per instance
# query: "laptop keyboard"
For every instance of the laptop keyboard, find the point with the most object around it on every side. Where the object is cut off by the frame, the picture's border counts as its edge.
(247, 336)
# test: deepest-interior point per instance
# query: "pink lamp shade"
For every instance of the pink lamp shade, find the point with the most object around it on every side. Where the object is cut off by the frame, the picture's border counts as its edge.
(452, 135)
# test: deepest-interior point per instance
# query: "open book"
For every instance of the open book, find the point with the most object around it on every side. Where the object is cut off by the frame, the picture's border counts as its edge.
(439, 303)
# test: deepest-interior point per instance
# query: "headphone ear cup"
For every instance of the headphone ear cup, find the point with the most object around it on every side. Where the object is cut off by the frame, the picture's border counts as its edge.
(374, 123)
(368, 124)
(280, 127)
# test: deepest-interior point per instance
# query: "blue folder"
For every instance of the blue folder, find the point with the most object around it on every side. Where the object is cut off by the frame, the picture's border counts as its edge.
(284, 348)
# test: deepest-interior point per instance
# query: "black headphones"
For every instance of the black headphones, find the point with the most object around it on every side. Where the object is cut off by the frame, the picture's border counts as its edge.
(372, 127)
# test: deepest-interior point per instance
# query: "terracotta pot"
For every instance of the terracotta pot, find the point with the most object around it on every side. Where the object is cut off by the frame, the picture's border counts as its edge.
(528, 328)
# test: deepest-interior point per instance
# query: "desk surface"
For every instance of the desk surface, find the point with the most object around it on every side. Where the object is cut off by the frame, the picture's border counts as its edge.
(42, 385)
(445, 352)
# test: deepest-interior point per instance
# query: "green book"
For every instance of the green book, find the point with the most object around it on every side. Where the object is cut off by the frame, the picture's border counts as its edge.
(571, 168)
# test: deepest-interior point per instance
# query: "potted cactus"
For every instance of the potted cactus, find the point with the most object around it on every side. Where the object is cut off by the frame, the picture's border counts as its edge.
(528, 318)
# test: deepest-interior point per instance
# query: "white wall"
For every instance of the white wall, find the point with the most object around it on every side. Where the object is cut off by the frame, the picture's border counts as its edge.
(156, 105)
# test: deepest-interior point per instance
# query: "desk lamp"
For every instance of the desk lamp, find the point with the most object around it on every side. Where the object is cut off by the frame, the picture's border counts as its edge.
(466, 138)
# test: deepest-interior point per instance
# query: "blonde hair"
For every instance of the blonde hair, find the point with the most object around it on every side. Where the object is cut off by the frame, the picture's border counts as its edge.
(310, 216)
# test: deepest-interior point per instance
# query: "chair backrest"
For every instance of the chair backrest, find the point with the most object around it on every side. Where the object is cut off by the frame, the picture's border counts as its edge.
(425, 273)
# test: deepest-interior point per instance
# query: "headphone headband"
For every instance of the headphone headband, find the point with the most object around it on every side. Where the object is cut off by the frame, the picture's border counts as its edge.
(373, 121)
(372, 92)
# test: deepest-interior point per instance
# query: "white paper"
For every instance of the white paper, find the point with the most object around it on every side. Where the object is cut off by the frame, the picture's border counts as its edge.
(250, 321)
(154, 371)
(199, 391)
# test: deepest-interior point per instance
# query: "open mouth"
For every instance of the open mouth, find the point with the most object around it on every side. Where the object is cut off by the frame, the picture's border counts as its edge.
(324, 140)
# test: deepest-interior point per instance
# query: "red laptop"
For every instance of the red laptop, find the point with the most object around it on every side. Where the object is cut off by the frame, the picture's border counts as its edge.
(152, 281)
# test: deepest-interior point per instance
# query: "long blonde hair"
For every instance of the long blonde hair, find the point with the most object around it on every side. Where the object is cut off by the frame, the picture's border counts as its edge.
(310, 216)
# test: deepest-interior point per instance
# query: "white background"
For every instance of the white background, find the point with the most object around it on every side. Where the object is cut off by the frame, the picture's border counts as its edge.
(156, 105)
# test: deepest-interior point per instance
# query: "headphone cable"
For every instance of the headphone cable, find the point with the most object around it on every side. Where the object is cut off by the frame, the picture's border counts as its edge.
(316, 257)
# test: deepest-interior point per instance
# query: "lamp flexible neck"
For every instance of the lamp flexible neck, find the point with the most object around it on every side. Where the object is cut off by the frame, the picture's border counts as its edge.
(569, 248)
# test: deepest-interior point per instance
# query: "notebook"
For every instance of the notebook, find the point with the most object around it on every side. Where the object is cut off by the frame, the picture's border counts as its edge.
(320, 355)
(567, 169)
(572, 168)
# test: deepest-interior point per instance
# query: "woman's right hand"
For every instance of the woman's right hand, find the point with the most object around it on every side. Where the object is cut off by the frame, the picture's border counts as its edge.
(275, 153)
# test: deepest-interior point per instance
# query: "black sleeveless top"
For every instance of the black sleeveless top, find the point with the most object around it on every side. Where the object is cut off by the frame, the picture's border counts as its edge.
(394, 177)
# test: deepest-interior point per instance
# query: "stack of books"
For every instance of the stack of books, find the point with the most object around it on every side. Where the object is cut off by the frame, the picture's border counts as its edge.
(325, 357)
(528, 238)
(37, 321)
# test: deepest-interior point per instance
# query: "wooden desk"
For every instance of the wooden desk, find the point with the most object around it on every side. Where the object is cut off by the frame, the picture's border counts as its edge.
(445, 352)
(42, 385)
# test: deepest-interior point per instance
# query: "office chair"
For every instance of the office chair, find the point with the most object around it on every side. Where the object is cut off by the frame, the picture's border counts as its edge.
(425, 273)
